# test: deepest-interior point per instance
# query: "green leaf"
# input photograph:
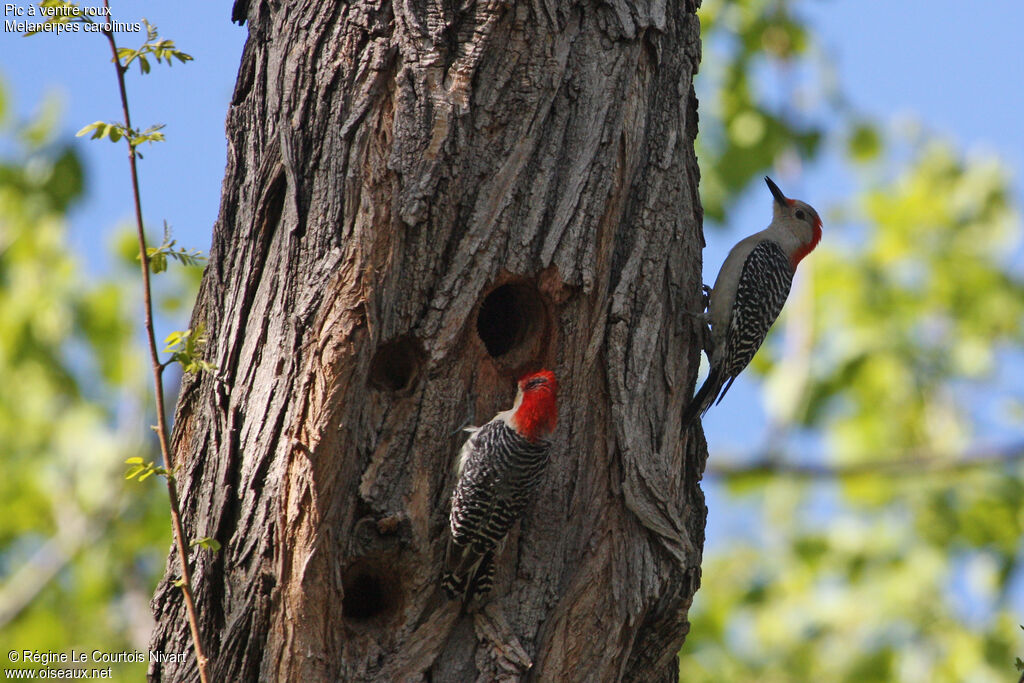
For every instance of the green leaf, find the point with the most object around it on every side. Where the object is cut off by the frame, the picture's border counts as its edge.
(102, 129)
(158, 255)
(208, 543)
(157, 260)
(185, 348)
(172, 341)
(143, 470)
(91, 127)
(151, 134)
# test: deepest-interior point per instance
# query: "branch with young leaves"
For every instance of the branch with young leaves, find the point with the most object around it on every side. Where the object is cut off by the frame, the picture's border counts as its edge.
(183, 347)
(115, 132)
(158, 255)
(186, 349)
(161, 50)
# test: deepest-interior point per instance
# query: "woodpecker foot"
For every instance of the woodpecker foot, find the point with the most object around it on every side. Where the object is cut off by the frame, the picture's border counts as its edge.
(706, 340)
(705, 330)
(705, 303)
(702, 318)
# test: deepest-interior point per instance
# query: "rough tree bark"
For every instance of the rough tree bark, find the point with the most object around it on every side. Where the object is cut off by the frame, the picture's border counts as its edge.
(424, 199)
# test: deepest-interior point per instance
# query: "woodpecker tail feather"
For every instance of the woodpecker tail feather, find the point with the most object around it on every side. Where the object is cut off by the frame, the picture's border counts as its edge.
(472, 575)
(705, 398)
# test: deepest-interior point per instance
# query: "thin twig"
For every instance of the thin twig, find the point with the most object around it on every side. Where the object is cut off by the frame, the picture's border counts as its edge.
(161, 421)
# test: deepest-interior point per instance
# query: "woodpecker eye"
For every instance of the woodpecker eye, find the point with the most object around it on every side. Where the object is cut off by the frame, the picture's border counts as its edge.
(535, 382)
(800, 214)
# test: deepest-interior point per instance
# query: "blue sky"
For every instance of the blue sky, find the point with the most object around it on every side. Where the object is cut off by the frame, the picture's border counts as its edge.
(180, 179)
(955, 67)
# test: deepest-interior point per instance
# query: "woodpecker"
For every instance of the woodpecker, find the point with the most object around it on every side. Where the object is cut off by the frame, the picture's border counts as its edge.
(750, 291)
(498, 470)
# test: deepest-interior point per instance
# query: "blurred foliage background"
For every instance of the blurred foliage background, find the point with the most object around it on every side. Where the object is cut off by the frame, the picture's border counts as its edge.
(882, 515)
(81, 549)
(880, 524)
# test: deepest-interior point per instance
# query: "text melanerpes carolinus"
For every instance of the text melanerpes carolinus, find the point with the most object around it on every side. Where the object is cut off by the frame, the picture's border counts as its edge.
(499, 469)
(750, 291)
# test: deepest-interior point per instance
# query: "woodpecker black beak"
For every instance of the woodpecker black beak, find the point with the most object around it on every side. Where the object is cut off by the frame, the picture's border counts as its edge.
(776, 192)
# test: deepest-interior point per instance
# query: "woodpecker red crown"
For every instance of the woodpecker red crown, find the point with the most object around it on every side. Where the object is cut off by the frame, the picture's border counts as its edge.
(538, 413)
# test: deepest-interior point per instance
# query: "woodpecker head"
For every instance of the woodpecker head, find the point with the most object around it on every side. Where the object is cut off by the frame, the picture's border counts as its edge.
(799, 218)
(536, 410)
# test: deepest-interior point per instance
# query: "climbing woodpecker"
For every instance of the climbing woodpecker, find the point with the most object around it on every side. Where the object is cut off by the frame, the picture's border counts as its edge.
(498, 470)
(750, 291)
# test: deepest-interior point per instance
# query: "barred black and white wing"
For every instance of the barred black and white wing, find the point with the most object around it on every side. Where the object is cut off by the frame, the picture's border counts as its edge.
(760, 295)
(499, 472)
(761, 292)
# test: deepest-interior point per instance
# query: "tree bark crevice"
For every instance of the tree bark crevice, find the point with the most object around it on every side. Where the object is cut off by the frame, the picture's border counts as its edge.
(391, 166)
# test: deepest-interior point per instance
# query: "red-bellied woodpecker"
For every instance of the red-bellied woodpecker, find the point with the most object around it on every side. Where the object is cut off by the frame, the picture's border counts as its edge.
(499, 468)
(750, 291)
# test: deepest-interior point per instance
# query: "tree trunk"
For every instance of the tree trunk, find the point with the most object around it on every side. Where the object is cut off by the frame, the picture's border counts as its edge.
(423, 200)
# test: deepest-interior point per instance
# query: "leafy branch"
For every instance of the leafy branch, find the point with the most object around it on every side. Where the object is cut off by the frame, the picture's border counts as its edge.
(185, 347)
(144, 470)
(158, 255)
(161, 50)
(115, 132)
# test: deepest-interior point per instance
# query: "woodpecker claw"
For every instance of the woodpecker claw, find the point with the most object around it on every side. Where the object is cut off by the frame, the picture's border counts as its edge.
(705, 304)
(704, 323)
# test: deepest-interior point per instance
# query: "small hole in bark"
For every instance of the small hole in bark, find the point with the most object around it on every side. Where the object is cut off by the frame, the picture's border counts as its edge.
(369, 592)
(396, 365)
(509, 316)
